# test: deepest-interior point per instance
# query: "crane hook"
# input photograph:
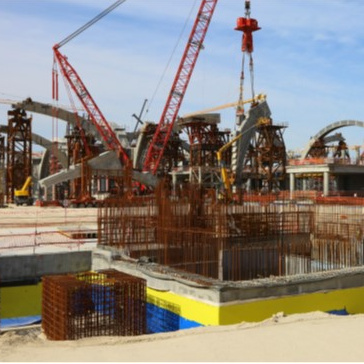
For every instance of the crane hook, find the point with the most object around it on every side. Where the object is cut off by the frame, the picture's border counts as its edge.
(247, 8)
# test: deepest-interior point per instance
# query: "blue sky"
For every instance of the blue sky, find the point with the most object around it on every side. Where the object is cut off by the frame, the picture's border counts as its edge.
(308, 59)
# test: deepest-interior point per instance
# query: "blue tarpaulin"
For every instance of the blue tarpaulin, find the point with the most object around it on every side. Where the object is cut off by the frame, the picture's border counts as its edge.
(20, 321)
(341, 312)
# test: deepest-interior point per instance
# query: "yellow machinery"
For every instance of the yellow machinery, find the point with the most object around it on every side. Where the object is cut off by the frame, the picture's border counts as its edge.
(23, 196)
(238, 105)
(226, 178)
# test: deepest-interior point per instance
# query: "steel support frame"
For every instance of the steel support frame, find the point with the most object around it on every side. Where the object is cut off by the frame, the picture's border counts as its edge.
(19, 151)
(205, 140)
(265, 162)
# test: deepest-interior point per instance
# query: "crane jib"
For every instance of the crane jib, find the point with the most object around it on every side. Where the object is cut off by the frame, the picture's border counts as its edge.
(88, 24)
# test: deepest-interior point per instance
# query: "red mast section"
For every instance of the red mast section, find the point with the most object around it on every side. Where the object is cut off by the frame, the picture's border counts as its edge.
(195, 43)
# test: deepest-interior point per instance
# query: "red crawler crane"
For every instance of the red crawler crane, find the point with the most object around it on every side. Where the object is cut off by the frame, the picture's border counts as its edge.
(76, 84)
(73, 81)
(195, 43)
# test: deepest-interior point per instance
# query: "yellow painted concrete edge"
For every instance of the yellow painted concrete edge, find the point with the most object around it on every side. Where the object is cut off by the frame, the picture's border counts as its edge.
(13, 304)
(21, 301)
(351, 299)
(187, 308)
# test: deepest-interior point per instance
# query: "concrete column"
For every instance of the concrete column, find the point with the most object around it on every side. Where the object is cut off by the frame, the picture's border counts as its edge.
(98, 184)
(174, 180)
(326, 184)
(220, 265)
(248, 185)
(291, 184)
(304, 184)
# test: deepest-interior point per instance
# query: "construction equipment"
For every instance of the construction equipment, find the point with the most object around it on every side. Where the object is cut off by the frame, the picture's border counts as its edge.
(225, 106)
(194, 45)
(23, 196)
(18, 151)
(226, 177)
(74, 81)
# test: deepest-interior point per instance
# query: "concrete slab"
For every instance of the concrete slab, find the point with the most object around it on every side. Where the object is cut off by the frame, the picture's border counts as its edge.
(33, 241)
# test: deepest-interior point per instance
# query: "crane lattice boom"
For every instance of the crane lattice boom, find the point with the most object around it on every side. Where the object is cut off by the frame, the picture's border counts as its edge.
(96, 116)
(177, 92)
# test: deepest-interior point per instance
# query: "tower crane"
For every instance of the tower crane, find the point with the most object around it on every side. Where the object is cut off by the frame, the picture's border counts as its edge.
(74, 81)
(164, 129)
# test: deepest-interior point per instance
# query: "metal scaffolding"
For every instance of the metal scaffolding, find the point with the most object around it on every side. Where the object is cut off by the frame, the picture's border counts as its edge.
(265, 161)
(205, 139)
(19, 151)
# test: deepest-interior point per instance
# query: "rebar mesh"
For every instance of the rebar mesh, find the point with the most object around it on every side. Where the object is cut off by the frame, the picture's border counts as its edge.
(93, 304)
(262, 236)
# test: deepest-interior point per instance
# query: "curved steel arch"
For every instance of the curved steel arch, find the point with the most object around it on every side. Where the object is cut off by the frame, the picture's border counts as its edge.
(45, 143)
(328, 129)
(52, 111)
(68, 116)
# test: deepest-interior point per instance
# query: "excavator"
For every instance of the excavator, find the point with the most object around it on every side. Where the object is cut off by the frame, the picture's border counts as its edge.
(23, 196)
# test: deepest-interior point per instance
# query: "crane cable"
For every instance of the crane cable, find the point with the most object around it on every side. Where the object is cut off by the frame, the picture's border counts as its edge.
(170, 58)
(89, 23)
(251, 63)
(55, 69)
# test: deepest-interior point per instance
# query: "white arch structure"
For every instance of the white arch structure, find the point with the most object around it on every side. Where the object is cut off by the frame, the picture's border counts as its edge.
(327, 130)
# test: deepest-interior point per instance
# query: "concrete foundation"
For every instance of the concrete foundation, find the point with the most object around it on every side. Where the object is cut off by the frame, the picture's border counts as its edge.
(25, 268)
(202, 301)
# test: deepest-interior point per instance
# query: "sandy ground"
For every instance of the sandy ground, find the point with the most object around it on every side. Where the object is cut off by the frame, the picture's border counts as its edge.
(306, 337)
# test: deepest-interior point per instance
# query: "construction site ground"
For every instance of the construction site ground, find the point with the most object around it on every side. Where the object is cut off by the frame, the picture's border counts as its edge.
(25, 229)
(57, 240)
